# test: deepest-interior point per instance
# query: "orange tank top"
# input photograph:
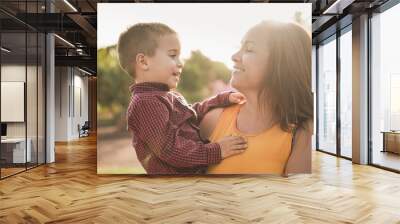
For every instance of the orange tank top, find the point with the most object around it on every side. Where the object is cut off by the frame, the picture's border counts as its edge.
(267, 152)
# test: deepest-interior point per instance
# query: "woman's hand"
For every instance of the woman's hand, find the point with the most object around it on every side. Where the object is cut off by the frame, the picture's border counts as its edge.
(237, 97)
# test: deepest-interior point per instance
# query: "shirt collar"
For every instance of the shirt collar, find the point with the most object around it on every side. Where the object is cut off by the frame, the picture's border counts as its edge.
(148, 87)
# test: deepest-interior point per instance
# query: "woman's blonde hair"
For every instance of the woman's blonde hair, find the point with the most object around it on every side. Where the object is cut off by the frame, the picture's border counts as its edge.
(287, 84)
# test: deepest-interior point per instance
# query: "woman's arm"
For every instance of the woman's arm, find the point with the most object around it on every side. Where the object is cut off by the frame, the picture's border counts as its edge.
(209, 122)
(300, 158)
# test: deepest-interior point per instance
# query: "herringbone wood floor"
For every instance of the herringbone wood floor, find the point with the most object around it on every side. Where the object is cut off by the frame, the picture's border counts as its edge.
(70, 191)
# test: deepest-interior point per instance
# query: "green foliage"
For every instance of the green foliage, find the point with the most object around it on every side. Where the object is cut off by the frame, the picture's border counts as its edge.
(198, 72)
(113, 85)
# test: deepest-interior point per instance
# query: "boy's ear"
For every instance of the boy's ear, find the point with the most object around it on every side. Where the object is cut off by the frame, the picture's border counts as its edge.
(142, 62)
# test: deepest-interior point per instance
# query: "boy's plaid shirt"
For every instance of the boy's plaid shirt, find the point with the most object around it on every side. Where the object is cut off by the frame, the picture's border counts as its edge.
(166, 130)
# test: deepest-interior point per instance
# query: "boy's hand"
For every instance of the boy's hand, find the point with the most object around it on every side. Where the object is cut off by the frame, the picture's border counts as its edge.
(232, 145)
(237, 97)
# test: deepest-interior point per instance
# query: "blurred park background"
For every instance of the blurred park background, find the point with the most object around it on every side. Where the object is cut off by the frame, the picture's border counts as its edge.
(202, 75)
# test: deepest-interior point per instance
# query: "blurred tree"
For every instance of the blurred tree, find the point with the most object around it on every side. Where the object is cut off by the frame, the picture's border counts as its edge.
(113, 86)
(198, 72)
(299, 18)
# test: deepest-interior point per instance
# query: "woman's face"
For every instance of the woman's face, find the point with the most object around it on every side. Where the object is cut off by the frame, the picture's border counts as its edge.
(250, 62)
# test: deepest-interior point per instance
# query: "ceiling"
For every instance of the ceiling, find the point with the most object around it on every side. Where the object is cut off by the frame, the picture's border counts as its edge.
(76, 22)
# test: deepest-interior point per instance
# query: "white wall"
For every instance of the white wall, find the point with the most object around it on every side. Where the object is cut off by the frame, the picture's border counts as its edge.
(71, 94)
(62, 81)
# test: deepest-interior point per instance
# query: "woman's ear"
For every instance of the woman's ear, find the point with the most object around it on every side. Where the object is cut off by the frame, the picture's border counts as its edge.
(142, 61)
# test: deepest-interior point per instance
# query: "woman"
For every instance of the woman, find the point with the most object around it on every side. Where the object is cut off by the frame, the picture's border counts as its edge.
(273, 70)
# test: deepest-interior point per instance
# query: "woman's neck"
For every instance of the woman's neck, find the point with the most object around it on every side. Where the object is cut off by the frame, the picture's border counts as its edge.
(254, 116)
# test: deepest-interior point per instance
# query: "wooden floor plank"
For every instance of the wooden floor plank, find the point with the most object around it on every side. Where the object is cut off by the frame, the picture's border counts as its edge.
(70, 191)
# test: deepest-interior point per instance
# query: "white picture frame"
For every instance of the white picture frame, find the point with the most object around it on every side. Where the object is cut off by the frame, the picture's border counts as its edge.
(12, 101)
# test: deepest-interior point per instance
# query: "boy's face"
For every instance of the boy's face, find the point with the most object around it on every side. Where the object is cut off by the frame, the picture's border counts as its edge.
(165, 66)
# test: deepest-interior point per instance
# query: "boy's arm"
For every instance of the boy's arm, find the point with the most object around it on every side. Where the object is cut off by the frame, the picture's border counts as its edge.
(220, 100)
(149, 121)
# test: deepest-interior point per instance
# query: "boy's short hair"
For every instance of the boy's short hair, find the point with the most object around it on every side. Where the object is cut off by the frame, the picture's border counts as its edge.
(139, 38)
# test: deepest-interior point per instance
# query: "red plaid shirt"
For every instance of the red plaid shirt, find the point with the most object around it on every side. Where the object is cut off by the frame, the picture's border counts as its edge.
(165, 130)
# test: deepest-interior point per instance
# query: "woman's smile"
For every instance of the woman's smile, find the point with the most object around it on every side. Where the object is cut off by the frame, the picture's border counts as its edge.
(237, 69)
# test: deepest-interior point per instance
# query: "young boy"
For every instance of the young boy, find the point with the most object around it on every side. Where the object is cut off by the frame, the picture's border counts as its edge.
(165, 128)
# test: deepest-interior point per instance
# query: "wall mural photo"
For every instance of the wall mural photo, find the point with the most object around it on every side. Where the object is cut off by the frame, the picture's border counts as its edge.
(184, 89)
